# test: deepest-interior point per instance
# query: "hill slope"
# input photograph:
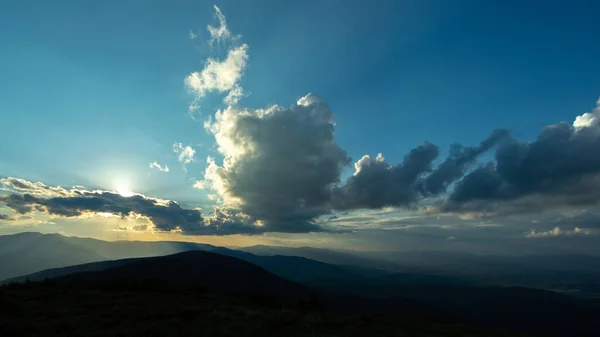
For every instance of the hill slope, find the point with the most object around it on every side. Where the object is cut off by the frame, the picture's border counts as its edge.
(193, 268)
(71, 251)
(26, 253)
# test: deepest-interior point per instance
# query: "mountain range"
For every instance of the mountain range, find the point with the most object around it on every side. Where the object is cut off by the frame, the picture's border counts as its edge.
(496, 299)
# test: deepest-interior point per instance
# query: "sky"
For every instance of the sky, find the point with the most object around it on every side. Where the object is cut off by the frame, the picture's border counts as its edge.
(387, 125)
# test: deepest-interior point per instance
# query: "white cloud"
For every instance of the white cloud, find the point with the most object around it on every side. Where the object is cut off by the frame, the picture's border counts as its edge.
(220, 33)
(11, 184)
(192, 35)
(200, 184)
(234, 95)
(157, 166)
(557, 231)
(221, 76)
(366, 161)
(185, 154)
(589, 118)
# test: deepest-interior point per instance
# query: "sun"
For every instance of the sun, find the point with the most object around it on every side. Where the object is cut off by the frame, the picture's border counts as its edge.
(124, 190)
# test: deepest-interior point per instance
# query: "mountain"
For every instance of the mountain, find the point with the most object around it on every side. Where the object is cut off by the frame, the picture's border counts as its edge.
(297, 269)
(294, 268)
(192, 268)
(25, 253)
(301, 269)
(502, 308)
(326, 256)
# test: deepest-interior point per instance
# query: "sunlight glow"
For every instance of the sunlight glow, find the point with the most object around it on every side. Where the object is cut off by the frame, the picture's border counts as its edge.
(123, 189)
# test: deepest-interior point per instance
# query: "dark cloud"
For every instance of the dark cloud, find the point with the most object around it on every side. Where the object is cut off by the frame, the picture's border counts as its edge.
(140, 228)
(588, 219)
(279, 164)
(377, 184)
(560, 168)
(165, 215)
(459, 160)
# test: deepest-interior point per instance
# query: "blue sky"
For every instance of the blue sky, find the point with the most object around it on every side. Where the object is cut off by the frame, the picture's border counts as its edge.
(93, 92)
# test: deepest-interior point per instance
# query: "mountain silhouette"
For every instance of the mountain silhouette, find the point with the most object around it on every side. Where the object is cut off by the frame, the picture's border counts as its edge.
(33, 250)
(192, 268)
(26, 253)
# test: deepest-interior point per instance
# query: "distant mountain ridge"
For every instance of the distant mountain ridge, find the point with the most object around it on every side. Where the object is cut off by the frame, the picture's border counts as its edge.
(508, 308)
(193, 268)
(27, 253)
(101, 253)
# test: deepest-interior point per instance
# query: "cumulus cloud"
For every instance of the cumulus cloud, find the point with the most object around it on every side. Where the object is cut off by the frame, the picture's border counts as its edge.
(588, 119)
(281, 167)
(185, 154)
(157, 166)
(561, 168)
(557, 231)
(377, 184)
(279, 164)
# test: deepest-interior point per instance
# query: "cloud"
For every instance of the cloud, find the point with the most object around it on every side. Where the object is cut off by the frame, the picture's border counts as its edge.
(281, 167)
(136, 228)
(561, 168)
(587, 219)
(588, 119)
(460, 159)
(377, 184)
(164, 215)
(140, 228)
(279, 163)
(221, 76)
(157, 166)
(185, 154)
(37, 188)
(557, 231)
(220, 33)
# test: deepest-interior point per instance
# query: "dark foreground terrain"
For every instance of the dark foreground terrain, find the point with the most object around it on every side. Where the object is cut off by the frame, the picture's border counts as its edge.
(205, 293)
(152, 309)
